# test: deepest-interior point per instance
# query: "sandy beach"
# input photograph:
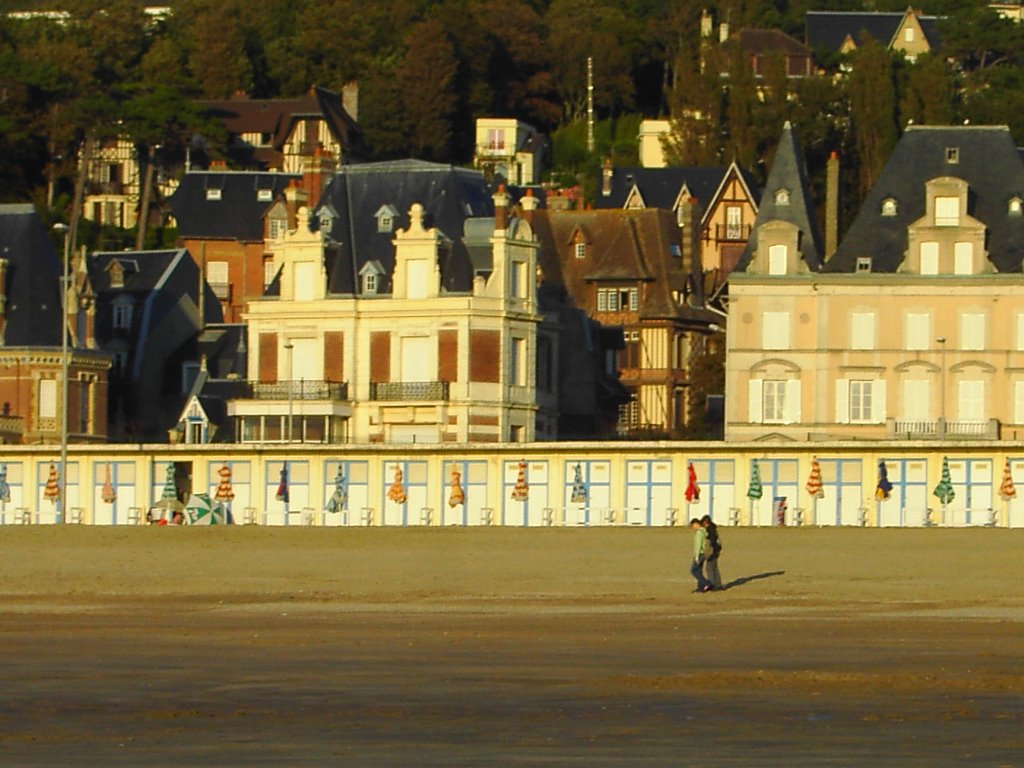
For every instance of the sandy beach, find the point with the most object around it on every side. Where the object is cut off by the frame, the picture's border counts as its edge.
(387, 647)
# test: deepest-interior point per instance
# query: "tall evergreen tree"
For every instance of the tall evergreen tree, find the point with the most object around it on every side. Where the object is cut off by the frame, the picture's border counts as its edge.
(872, 109)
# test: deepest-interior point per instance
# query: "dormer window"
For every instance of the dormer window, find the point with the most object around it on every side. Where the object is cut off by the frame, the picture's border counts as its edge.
(213, 194)
(863, 263)
(889, 206)
(370, 283)
(385, 217)
(326, 219)
(580, 250)
(277, 226)
(116, 275)
(369, 278)
(264, 195)
(952, 155)
(947, 211)
(1014, 207)
(782, 197)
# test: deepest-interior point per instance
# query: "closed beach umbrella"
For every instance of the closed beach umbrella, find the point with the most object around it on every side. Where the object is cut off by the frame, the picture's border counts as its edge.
(884, 488)
(169, 497)
(52, 491)
(521, 491)
(755, 490)
(5, 489)
(814, 481)
(396, 491)
(1006, 488)
(339, 499)
(944, 490)
(282, 486)
(457, 495)
(225, 492)
(108, 494)
(579, 488)
(692, 489)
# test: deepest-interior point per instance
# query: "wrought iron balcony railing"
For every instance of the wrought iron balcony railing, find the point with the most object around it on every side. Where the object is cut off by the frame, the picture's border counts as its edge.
(301, 389)
(409, 390)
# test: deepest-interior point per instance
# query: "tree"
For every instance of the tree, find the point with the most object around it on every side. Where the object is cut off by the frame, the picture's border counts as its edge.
(872, 109)
(426, 77)
(927, 97)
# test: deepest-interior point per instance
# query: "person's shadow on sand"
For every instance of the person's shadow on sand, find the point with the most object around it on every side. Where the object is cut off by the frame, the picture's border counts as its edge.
(747, 579)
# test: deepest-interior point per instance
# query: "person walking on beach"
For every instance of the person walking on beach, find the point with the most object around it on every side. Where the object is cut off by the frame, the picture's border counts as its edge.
(700, 540)
(715, 544)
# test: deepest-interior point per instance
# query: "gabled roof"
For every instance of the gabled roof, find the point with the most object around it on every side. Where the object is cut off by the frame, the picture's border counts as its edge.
(627, 246)
(830, 29)
(237, 215)
(32, 284)
(277, 117)
(987, 160)
(757, 42)
(661, 187)
(788, 174)
(450, 197)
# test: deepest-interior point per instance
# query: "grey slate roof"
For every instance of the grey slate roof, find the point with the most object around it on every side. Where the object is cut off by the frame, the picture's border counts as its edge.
(828, 29)
(660, 187)
(33, 314)
(789, 173)
(450, 196)
(237, 215)
(988, 161)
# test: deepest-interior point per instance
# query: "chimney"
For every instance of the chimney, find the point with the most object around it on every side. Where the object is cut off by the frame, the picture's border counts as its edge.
(294, 198)
(529, 204)
(350, 99)
(3, 297)
(689, 233)
(316, 173)
(831, 205)
(606, 177)
(500, 208)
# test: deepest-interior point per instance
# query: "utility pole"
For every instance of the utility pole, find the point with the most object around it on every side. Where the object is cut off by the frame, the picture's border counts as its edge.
(590, 103)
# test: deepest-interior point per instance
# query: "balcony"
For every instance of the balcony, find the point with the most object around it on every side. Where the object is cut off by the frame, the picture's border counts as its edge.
(493, 149)
(303, 389)
(409, 390)
(731, 232)
(12, 428)
(940, 429)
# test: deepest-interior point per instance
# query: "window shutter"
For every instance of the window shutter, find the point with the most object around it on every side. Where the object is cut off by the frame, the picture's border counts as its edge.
(754, 393)
(792, 415)
(267, 371)
(843, 401)
(878, 401)
(1018, 402)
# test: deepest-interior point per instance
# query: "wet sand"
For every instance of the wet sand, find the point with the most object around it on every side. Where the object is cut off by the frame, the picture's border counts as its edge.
(372, 647)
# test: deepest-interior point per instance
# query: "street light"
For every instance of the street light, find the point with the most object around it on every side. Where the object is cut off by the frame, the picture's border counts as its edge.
(289, 347)
(941, 340)
(65, 230)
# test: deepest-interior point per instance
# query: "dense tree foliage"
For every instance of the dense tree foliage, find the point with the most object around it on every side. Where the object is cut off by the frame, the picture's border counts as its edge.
(427, 68)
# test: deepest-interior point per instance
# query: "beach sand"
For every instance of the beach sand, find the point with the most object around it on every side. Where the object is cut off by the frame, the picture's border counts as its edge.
(397, 647)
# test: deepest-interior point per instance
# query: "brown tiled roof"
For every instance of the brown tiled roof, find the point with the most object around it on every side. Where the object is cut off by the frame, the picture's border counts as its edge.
(761, 41)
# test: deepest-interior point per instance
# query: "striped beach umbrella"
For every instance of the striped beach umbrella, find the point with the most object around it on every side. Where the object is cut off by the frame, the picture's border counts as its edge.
(944, 490)
(282, 486)
(457, 495)
(884, 488)
(5, 489)
(202, 510)
(396, 491)
(224, 492)
(52, 490)
(1006, 488)
(814, 481)
(579, 493)
(521, 491)
(169, 497)
(755, 490)
(692, 489)
(339, 499)
(108, 494)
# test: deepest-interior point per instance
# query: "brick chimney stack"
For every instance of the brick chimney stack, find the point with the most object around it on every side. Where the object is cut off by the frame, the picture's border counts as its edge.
(294, 198)
(689, 234)
(317, 172)
(831, 205)
(529, 204)
(500, 208)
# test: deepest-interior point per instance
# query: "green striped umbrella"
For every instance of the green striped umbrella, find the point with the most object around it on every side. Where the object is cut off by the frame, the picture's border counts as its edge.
(755, 491)
(944, 490)
(169, 498)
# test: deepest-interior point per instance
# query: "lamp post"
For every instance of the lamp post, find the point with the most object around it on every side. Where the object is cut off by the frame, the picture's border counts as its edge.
(65, 230)
(941, 341)
(289, 347)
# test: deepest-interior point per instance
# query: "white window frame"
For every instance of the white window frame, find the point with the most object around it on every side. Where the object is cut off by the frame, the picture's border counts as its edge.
(775, 330)
(602, 300)
(634, 299)
(917, 331)
(963, 258)
(861, 392)
(370, 283)
(778, 256)
(972, 331)
(947, 211)
(733, 222)
(773, 401)
(862, 330)
(580, 250)
(929, 251)
(860, 401)
(47, 399)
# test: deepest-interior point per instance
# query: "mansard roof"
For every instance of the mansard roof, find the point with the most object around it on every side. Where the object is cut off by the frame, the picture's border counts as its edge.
(450, 197)
(789, 174)
(32, 282)
(236, 213)
(986, 158)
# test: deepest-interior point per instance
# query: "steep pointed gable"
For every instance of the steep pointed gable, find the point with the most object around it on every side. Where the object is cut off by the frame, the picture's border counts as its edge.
(787, 199)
